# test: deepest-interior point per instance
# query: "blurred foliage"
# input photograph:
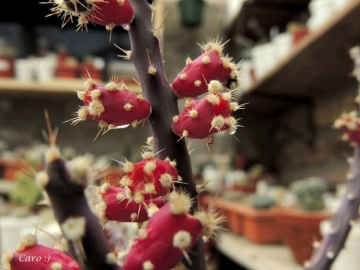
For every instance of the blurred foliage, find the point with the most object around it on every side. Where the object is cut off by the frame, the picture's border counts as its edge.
(26, 192)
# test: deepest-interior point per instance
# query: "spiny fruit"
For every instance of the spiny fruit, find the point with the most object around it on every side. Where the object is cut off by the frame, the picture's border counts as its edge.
(112, 105)
(32, 256)
(149, 178)
(211, 65)
(114, 205)
(109, 13)
(170, 233)
(350, 124)
(211, 114)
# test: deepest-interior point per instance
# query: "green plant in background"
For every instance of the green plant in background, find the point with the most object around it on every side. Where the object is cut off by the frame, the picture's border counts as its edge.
(256, 170)
(26, 192)
(309, 193)
(262, 202)
(191, 12)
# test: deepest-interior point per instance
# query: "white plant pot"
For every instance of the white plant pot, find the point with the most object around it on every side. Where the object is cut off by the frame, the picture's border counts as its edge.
(264, 59)
(24, 70)
(245, 75)
(283, 45)
(348, 258)
(45, 68)
(321, 6)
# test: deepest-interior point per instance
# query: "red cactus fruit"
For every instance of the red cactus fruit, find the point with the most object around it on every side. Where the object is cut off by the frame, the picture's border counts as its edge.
(211, 65)
(109, 13)
(211, 114)
(350, 124)
(115, 206)
(149, 178)
(113, 106)
(169, 234)
(32, 256)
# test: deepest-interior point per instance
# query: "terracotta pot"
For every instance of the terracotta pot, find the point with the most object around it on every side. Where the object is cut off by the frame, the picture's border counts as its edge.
(10, 168)
(237, 218)
(96, 74)
(246, 189)
(66, 71)
(205, 201)
(6, 67)
(299, 34)
(224, 208)
(260, 225)
(298, 230)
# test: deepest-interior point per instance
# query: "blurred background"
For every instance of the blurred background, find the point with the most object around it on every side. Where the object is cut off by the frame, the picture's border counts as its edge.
(296, 79)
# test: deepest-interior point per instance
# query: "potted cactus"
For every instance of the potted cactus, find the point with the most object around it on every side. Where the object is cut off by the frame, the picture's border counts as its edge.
(260, 220)
(299, 226)
(159, 192)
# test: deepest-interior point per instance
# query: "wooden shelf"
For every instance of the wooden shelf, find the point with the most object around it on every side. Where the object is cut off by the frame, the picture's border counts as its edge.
(55, 86)
(254, 256)
(319, 64)
(266, 12)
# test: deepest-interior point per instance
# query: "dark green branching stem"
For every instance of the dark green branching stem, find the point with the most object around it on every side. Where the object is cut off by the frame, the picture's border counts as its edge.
(164, 105)
(68, 201)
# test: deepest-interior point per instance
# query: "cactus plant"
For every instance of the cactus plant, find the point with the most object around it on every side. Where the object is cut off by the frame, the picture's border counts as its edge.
(262, 202)
(160, 189)
(25, 192)
(327, 250)
(309, 193)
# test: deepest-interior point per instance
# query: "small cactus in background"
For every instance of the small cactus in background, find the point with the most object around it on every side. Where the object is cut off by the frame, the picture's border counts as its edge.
(262, 202)
(25, 192)
(309, 193)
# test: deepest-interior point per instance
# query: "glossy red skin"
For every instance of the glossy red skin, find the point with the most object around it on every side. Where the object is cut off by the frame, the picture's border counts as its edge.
(200, 127)
(121, 211)
(114, 101)
(140, 178)
(47, 257)
(199, 71)
(110, 11)
(158, 246)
